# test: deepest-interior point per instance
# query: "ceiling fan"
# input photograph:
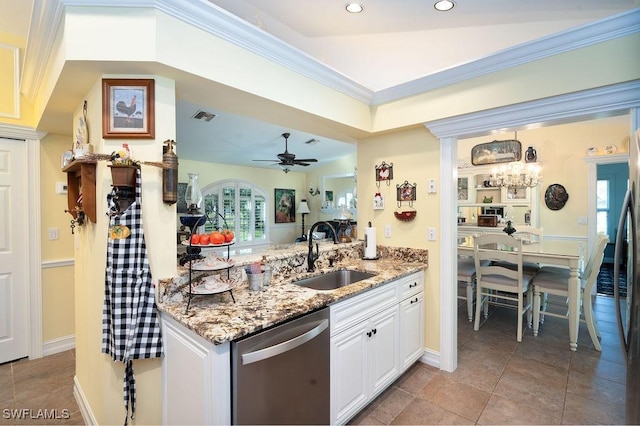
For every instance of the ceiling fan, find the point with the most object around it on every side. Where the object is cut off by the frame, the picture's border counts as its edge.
(287, 159)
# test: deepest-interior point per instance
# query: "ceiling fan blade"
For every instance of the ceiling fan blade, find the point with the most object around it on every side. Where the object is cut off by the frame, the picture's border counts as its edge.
(301, 164)
(266, 160)
(307, 160)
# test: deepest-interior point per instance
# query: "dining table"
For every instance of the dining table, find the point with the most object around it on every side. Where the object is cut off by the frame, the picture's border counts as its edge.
(564, 253)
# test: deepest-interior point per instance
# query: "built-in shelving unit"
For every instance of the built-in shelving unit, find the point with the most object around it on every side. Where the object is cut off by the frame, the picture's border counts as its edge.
(81, 180)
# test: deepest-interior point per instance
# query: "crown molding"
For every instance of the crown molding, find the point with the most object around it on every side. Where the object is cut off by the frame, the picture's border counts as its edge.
(204, 15)
(46, 17)
(592, 103)
(20, 132)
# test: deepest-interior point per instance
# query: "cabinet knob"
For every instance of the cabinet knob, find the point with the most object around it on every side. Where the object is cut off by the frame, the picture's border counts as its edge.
(375, 330)
(413, 285)
(414, 301)
(368, 334)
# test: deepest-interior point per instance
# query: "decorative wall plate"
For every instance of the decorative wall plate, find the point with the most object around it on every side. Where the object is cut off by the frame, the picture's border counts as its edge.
(556, 196)
(610, 149)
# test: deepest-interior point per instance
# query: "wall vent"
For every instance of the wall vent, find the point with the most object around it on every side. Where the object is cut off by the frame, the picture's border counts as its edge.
(203, 115)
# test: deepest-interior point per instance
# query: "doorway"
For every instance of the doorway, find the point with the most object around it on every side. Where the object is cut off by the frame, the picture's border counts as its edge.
(611, 185)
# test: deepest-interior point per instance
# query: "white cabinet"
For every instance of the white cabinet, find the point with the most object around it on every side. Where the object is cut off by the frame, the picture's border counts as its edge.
(411, 329)
(365, 360)
(196, 378)
(375, 337)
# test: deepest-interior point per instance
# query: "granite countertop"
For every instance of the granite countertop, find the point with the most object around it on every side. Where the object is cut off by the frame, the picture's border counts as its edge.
(218, 319)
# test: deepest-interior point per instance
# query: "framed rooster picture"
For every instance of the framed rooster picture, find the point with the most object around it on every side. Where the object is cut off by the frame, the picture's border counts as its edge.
(128, 108)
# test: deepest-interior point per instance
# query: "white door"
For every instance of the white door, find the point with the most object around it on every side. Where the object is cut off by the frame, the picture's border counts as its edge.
(14, 308)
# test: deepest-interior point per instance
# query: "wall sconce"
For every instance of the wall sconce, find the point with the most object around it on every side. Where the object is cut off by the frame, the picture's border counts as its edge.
(314, 192)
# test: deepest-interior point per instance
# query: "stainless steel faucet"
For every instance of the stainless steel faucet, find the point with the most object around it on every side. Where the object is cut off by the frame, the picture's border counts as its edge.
(311, 257)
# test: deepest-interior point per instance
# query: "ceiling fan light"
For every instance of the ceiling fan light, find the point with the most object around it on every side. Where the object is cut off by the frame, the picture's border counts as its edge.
(354, 7)
(444, 5)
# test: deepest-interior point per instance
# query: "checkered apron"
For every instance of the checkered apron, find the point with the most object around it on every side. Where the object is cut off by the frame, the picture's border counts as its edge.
(130, 325)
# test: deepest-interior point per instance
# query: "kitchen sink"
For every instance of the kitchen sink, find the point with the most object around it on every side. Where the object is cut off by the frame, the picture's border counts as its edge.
(334, 279)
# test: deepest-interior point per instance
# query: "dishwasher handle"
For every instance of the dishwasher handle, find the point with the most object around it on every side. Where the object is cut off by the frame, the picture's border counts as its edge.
(271, 351)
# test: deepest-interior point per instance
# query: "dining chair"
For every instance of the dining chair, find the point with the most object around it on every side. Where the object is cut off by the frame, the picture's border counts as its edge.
(555, 280)
(529, 235)
(500, 278)
(467, 276)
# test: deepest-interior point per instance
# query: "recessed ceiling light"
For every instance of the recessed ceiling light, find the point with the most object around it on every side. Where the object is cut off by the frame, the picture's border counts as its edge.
(354, 7)
(444, 5)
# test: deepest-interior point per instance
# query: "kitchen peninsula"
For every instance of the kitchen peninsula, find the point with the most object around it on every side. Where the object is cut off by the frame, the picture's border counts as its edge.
(196, 370)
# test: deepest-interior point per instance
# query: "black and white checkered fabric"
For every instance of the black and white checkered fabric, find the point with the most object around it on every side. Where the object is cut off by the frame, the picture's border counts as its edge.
(130, 324)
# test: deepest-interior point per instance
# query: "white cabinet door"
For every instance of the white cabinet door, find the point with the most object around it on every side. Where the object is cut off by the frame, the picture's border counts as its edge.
(411, 329)
(383, 350)
(349, 372)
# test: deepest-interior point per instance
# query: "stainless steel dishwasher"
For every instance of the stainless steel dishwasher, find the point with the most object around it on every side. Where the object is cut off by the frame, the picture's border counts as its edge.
(281, 375)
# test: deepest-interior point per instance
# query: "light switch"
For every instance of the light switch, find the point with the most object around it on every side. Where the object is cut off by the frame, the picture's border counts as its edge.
(53, 233)
(431, 234)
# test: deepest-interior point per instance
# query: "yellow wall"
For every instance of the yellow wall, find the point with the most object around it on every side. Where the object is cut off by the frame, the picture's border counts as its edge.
(415, 157)
(99, 377)
(8, 114)
(561, 151)
(57, 280)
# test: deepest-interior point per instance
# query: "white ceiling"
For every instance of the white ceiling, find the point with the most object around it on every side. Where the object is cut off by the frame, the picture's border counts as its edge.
(390, 43)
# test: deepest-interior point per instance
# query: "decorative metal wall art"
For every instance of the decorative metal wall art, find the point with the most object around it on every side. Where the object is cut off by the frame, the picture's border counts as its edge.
(556, 196)
(406, 192)
(384, 172)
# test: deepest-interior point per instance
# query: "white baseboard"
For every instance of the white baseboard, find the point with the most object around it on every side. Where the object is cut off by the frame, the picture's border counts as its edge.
(83, 404)
(431, 358)
(60, 344)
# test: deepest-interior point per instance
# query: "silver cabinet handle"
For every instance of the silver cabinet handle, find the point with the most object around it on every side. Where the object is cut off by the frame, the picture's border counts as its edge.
(274, 350)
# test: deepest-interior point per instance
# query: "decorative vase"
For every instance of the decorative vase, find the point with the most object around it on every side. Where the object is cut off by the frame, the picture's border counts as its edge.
(530, 155)
(123, 175)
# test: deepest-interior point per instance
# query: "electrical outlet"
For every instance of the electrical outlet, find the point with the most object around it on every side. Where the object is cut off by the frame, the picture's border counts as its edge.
(431, 186)
(431, 234)
(387, 231)
(582, 220)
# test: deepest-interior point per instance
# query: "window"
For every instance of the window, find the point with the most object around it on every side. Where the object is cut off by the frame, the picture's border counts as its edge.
(602, 206)
(239, 206)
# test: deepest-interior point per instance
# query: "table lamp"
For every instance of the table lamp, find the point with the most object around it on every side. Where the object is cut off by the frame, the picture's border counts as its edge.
(303, 209)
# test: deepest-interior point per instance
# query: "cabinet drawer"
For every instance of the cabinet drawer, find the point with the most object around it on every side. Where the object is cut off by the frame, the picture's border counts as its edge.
(351, 311)
(411, 285)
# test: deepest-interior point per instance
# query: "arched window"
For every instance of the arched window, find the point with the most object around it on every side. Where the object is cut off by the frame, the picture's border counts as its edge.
(240, 207)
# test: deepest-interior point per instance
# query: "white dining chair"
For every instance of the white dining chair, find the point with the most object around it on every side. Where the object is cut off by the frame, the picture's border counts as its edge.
(529, 235)
(467, 277)
(555, 280)
(500, 278)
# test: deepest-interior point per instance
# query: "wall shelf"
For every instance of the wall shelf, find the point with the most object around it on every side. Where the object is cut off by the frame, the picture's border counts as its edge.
(81, 179)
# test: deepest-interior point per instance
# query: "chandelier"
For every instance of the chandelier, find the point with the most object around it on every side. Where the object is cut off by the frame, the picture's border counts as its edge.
(516, 174)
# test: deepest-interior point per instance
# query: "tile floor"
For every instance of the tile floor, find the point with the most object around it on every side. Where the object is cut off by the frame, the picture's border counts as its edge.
(498, 381)
(39, 392)
(501, 381)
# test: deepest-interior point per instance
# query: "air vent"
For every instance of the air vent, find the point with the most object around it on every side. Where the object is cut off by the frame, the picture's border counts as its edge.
(203, 115)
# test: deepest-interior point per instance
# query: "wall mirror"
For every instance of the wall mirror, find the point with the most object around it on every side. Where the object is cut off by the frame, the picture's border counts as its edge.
(339, 191)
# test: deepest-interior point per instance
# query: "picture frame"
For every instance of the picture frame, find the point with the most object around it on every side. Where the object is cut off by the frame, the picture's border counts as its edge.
(284, 205)
(128, 108)
(495, 152)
